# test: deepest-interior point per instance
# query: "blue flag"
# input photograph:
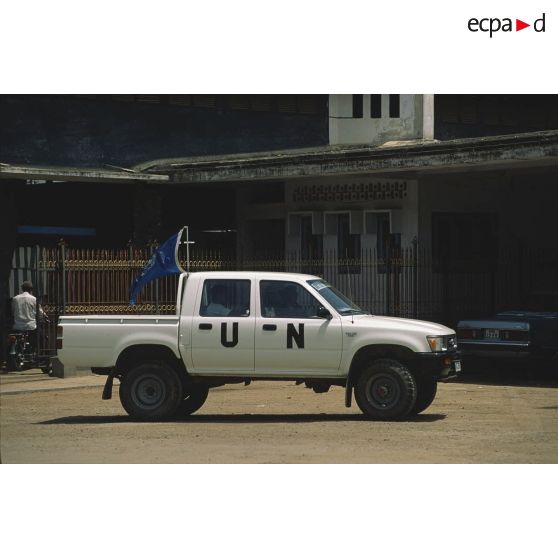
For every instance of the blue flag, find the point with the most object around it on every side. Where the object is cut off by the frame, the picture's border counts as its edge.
(164, 261)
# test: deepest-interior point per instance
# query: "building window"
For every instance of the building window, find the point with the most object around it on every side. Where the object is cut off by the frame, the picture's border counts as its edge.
(307, 104)
(348, 246)
(394, 106)
(464, 241)
(261, 103)
(205, 101)
(376, 106)
(294, 104)
(310, 244)
(238, 102)
(286, 103)
(378, 223)
(311, 247)
(357, 106)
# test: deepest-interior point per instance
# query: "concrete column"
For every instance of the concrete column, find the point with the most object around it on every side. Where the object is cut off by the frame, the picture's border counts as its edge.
(428, 117)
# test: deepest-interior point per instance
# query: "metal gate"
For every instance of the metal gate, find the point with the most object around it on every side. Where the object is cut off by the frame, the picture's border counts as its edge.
(402, 281)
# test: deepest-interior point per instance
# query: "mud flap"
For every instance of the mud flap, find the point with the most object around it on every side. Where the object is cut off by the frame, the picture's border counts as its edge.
(348, 393)
(107, 390)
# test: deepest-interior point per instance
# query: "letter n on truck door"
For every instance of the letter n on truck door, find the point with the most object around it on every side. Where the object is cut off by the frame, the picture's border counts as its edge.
(291, 339)
(223, 327)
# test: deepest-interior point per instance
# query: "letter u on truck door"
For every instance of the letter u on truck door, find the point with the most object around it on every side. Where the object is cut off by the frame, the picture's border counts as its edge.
(223, 327)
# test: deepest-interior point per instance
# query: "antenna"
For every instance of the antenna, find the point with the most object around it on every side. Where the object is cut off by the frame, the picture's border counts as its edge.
(350, 282)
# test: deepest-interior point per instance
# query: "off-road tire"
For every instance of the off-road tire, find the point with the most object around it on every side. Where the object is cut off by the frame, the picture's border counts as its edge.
(194, 398)
(427, 386)
(151, 391)
(386, 390)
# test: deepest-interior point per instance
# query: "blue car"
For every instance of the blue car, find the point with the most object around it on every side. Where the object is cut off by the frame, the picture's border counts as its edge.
(515, 334)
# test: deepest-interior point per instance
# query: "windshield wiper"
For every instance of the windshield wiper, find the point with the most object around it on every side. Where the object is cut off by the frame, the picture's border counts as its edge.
(351, 311)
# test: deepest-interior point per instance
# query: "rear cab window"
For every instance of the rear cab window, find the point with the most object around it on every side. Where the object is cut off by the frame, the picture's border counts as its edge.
(225, 298)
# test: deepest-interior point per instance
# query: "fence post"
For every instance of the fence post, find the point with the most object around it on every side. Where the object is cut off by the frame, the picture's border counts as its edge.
(387, 254)
(493, 286)
(415, 277)
(38, 295)
(62, 267)
(446, 292)
(130, 266)
(154, 246)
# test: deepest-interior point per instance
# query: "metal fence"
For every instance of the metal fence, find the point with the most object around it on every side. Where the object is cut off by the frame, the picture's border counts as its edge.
(406, 282)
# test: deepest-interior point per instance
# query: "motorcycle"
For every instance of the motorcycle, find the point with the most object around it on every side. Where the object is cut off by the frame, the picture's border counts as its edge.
(22, 354)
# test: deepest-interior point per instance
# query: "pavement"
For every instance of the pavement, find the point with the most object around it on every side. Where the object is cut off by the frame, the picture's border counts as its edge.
(34, 380)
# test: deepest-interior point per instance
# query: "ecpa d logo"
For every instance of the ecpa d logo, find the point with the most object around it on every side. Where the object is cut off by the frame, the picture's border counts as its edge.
(493, 25)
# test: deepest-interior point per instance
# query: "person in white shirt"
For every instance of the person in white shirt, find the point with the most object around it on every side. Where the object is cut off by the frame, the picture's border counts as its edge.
(24, 310)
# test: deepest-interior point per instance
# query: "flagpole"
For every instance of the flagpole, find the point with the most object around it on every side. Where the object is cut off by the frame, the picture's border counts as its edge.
(187, 250)
(187, 242)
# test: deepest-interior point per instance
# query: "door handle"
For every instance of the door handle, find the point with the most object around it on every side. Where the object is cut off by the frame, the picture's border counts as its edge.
(269, 327)
(206, 326)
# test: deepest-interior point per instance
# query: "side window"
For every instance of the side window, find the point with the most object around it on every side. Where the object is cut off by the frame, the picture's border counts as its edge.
(225, 297)
(284, 299)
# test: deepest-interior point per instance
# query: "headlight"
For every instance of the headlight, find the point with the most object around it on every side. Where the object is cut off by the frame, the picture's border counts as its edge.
(437, 343)
(441, 343)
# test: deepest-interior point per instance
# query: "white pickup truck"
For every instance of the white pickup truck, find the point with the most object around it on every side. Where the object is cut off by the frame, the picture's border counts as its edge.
(234, 327)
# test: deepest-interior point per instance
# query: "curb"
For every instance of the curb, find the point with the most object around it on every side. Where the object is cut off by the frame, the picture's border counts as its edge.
(35, 389)
(30, 386)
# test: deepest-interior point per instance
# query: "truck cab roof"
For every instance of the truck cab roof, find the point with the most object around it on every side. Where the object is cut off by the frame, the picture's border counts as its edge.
(251, 274)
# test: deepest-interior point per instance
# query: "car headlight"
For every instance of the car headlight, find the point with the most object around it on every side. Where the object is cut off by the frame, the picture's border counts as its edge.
(437, 343)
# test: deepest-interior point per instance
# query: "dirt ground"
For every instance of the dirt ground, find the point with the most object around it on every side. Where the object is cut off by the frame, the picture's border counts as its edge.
(475, 420)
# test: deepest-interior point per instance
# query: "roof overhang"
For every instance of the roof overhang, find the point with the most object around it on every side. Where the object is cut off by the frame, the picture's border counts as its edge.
(76, 174)
(495, 152)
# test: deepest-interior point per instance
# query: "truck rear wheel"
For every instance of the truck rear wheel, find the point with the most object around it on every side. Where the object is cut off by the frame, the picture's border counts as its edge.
(386, 390)
(427, 387)
(151, 391)
(194, 398)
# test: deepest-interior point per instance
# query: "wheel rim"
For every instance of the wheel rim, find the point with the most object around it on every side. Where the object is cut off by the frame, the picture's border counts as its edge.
(383, 391)
(148, 392)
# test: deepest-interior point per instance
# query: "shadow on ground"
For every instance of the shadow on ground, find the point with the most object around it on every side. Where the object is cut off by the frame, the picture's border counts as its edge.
(245, 418)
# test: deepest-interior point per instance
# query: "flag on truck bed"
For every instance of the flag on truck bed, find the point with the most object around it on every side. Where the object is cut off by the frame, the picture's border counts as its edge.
(164, 261)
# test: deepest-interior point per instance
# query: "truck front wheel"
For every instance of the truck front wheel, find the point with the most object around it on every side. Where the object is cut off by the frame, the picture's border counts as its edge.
(194, 398)
(386, 390)
(151, 391)
(426, 392)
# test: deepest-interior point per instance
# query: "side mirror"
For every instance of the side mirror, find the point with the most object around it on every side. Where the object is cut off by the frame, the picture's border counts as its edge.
(324, 313)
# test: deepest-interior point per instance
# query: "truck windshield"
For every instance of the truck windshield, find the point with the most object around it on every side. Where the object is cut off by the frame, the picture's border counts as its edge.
(338, 300)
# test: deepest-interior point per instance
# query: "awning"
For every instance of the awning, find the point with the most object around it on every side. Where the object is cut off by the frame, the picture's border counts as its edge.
(77, 174)
(419, 157)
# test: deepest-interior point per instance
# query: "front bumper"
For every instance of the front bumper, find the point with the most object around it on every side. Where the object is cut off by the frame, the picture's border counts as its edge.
(443, 366)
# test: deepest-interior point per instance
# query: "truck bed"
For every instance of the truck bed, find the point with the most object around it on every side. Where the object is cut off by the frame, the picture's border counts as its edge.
(98, 340)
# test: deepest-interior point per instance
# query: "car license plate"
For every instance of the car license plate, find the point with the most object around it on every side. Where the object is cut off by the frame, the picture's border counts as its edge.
(492, 334)
(457, 365)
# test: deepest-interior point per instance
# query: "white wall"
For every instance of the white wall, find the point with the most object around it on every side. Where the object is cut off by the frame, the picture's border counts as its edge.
(416, 120)
(355, 194)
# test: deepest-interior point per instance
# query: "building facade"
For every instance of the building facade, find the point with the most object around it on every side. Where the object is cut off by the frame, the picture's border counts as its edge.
(472, 181)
